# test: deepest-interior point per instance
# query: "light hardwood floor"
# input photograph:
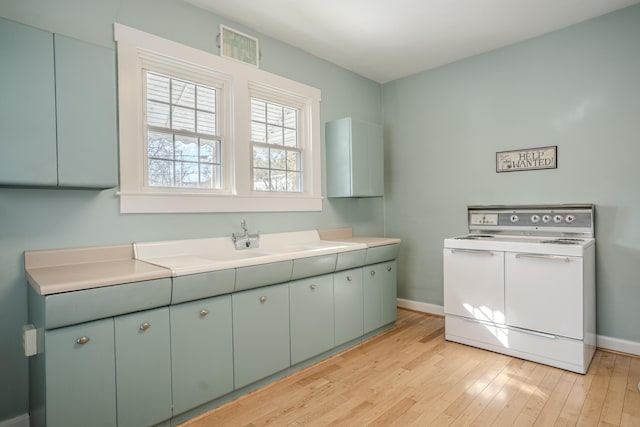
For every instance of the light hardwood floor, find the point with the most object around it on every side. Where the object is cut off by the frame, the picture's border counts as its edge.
(411, 376)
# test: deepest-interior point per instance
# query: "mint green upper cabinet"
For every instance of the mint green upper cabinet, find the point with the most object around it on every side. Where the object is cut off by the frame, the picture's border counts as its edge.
(27, 106)
(80, 384)
(57, 110)
(355, 159)
(86, 114)
(143, 368)
(201, 352)
(379, 295)
(311, 318)
(260, 333)
(347, 288)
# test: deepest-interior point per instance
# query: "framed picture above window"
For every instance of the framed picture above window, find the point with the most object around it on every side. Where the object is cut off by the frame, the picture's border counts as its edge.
(239, 46)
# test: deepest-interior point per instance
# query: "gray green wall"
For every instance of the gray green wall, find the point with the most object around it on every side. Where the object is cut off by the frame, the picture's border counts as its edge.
(579, 89)
(41, 219)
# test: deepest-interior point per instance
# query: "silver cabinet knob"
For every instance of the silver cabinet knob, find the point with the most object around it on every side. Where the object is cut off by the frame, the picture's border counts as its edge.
(373, 272)
(82, 340)
(388, 268)
(349, 278)
(313, 287)
(145, 326)
(204, 312)
(263, 298)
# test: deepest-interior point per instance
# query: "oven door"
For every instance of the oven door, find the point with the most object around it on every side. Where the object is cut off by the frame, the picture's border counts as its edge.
(544, 293)
(473, 284)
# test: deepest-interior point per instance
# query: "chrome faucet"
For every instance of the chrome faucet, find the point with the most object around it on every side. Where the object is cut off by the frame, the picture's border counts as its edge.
(246, 240)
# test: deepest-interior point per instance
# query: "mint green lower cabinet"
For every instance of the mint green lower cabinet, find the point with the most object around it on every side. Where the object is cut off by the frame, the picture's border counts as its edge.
(348, 299)
(260, 333)
(143, 368)
(379, 295)
(80, 385)
(311, 317)
(201, 352)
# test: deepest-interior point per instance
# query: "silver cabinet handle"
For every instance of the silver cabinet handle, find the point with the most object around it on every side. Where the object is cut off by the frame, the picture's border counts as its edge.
(373, 273)
(82, 340)
(549, 257)
(313, 287)
(263, 299)
(388, 268)
(145, 326)
(349, 278)
(204, 312)
(471, 251)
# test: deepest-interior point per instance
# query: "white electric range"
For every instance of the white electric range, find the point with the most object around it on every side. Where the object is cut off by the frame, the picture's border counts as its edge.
(522, 283)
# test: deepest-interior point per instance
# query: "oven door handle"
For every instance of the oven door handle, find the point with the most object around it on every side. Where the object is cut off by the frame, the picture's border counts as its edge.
(471, 251)
(549, 257)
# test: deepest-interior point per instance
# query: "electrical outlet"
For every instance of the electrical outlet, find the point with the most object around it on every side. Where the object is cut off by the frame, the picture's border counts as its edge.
(29, 340)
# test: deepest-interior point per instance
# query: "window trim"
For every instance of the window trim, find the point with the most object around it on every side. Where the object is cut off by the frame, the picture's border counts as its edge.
(239, 82)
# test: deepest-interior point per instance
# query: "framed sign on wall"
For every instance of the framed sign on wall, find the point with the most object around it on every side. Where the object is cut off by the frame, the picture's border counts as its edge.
(239, 46)
(527, 159)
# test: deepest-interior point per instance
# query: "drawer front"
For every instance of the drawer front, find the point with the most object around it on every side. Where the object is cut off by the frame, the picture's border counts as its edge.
(256, 276)
(351, 259)
(313, 266)
(204, 285)
(91, 304)
(378, 254)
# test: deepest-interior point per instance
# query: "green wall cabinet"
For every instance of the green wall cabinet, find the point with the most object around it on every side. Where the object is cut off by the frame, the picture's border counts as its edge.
(79, 378)
(260, 333)
(143, 368)
(201, 352)
(348, 311)
(380, 307)
(355, 159)
(311, 317)
(60, 128)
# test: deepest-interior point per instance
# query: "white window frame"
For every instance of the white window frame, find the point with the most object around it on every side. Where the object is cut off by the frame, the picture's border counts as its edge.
(237, 82)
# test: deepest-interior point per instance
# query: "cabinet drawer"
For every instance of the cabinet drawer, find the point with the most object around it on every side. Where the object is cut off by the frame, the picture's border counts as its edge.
(204, 285)
(351, 259)
(256, 276)
(378, 254)
(313, 266)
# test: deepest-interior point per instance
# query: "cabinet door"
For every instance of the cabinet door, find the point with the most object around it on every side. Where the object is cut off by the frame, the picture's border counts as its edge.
(544, 294)
(474, 284)
(367, 155)
(86, 114)
(143, 367)
(311, 318)
(260, 333)
(379, 295)
(201, 352)
(27, 106)
(80, 375)
(348, 294)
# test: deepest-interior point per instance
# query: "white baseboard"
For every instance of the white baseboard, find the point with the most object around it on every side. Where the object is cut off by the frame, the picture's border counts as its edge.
(423, 307)
(607, 343)
(19, 421)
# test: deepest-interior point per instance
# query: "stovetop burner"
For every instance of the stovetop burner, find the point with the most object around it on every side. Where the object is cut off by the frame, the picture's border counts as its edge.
(564, 241)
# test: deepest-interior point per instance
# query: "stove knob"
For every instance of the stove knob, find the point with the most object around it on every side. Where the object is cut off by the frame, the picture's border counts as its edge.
(557, 219)
(569, 218)
(514, 218)
(535, 218)
(546, 218)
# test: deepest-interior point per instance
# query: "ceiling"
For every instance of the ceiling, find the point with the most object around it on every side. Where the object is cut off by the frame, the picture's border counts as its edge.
(388, 39)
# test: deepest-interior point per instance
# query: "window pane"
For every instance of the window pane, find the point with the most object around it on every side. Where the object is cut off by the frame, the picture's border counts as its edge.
(290, 118)
(160, 145)
(278, 159)
(209, 151)
(274, 114)
(258, 132)
(290, 138)
(278, 180)
(186, 148)
(183, 93)
(274, 135)
(186, 174)
(158, 114)
(260, 157)
(261, 180)
(184, 119)
(293, 161)
(206, 98)
(158, 87)
(294, 181)
(210, 176)
(160, 173)
(206, 123)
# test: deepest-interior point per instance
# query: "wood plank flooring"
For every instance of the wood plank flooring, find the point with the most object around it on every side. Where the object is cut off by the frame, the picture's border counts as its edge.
(411, 376)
